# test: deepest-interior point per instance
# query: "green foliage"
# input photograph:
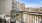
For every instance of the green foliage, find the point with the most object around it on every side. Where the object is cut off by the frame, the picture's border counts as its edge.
(16, 15)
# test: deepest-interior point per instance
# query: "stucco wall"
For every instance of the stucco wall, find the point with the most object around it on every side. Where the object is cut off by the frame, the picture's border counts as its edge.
(2, 9)
(5, 6)
(8, 6)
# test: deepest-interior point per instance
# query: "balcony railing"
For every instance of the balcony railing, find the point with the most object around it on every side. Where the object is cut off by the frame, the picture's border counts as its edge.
(35, 13)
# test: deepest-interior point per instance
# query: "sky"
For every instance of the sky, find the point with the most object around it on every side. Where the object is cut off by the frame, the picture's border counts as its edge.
(31, 3)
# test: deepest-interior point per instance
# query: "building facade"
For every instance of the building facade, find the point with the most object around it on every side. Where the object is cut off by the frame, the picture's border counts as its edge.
(2, 7)
(7, 5)
(21, 7)
(34, 15)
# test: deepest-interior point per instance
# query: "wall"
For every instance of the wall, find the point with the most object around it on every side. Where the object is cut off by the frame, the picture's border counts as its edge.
(23, 6)
(34, 19)
(8, 6)
(2, 9)
(25, 18)
(5, 6)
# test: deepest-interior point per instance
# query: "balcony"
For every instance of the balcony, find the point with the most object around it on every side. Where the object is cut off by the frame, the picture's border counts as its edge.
(35, 13)
(40, 14)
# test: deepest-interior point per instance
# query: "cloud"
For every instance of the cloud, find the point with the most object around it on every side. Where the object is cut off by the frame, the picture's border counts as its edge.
(33, 5)
(29, 5)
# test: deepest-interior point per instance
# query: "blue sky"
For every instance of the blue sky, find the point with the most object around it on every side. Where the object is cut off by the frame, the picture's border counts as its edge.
(31, 3)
